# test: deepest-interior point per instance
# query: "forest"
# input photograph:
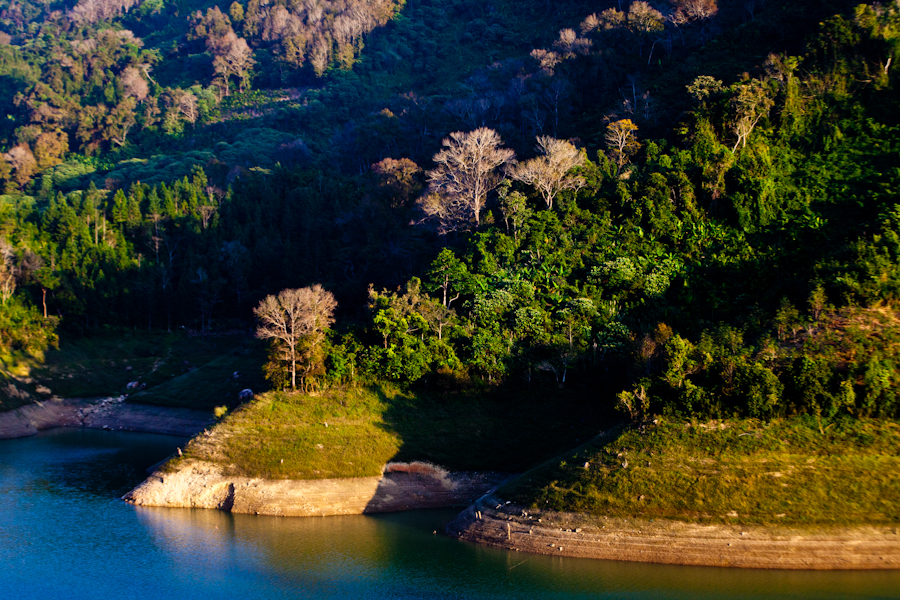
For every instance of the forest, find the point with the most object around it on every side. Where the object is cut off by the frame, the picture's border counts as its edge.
(682, 207)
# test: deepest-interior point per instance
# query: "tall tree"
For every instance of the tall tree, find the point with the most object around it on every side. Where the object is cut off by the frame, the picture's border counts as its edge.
(621, 141)
(549, 173)
(466, 171)
(296, 321)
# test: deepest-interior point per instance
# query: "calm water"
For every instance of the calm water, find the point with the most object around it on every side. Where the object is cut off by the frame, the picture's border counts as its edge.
(65, 534)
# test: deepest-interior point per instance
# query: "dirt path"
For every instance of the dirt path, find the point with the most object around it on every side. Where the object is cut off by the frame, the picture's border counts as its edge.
(105, 413)
(495, 523)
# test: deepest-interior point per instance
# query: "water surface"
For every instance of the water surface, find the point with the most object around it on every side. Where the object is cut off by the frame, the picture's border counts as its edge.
(64, 533)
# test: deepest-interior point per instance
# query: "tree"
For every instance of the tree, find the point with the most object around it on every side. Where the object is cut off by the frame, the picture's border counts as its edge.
(134, 84)
(549, 174)
(466, 172)
(751, 103)
(296, 321)
(694, 10)
(22, 162)
(399, 179)
(233, 57)
(621, 141)
(8, 271)
(187, 106)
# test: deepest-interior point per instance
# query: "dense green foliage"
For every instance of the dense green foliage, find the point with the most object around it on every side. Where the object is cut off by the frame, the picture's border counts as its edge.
(727, 246)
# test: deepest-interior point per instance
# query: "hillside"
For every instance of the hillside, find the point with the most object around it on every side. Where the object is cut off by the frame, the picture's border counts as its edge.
(613, 211)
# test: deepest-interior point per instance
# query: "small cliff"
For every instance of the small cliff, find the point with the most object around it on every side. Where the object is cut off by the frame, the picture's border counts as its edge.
(201, 484)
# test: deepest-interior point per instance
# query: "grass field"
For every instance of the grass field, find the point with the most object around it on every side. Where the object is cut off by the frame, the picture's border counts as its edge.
(740, 471)
(368, 427)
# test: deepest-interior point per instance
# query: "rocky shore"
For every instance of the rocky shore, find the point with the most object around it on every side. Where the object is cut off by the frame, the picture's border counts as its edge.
(496, 523)
(199, 484)
(101, 413)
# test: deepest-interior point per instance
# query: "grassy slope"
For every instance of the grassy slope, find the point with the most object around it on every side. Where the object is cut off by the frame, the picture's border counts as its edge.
(177, 369)
(368, 427)
(738, 471)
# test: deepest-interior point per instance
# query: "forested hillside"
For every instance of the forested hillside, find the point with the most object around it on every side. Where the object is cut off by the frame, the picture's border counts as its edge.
(685, 206)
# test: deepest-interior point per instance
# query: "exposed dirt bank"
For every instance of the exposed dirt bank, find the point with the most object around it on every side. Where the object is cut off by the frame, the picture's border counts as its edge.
(200, 484)
(495, 523)
(105, 413)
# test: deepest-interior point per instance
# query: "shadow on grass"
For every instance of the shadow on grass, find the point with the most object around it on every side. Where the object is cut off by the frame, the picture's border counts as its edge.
(490, 429)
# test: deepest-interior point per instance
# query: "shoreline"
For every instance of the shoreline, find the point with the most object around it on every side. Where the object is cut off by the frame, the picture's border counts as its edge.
(487, 520)
(201, 484)
(492, 522)
(105, 413)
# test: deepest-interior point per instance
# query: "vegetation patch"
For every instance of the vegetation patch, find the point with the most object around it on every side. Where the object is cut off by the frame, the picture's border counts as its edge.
(733, 471)
(356, 432)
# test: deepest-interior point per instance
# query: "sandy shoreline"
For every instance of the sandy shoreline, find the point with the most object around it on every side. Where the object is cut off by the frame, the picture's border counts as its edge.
(668, 542)
(104, 413)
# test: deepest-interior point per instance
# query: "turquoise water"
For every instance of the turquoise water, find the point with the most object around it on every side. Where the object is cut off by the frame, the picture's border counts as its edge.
(65, 534)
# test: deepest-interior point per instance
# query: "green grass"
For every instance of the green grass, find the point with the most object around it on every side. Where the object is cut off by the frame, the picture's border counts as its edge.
(177, 369)
(740, 471)
(368, 427)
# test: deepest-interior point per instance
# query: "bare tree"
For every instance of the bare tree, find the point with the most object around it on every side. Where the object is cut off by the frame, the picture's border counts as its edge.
(240, 57)
(467, 170)
(296, 320)
(549, 173)
(8, 270)
(695, 10)
(621, 140)
(187, 106)
(134, 84)
(232, 56)
(751, 103)
(91, 11)
(318, 56)
(22, 162)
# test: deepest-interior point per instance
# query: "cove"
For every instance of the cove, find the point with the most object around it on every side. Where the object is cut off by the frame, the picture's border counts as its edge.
(64, 533)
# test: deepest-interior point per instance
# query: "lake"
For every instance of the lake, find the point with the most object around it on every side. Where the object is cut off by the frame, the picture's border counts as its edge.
(64, 533)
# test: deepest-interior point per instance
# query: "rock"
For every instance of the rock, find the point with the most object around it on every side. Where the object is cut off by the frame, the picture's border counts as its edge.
(245, 394)
(132, 385)
(236, 375)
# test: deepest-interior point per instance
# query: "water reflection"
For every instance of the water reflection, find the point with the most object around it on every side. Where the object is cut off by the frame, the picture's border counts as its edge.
(64, 533)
